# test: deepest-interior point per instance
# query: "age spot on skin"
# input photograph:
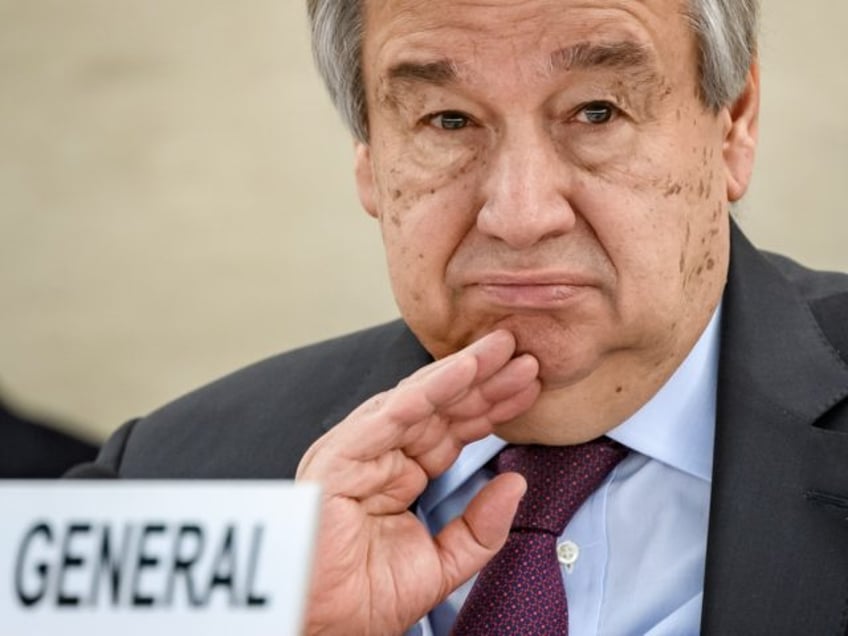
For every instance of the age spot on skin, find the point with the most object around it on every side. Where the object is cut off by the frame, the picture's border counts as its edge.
(673, 190)
(685, 246)
(708, 188)
(396, 194)
(466, 167)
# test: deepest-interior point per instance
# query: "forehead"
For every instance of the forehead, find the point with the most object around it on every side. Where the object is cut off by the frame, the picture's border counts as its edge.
(514, 32)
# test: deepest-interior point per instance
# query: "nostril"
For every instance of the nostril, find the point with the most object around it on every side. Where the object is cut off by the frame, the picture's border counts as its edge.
(522, 224)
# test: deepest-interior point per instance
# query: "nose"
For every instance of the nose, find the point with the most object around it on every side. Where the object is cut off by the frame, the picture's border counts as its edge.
(525, 192)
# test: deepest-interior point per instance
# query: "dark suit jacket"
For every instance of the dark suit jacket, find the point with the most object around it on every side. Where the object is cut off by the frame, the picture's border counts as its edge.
(777, 557)
(31, 449)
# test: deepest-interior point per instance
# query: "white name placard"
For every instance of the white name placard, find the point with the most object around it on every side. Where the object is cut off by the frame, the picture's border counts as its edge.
(155, 557)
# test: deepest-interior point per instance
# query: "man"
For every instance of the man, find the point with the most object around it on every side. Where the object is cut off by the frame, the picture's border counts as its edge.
(553, 180)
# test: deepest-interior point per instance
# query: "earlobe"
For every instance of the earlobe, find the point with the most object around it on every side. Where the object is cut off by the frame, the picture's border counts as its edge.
(740, 142)
(364, 173)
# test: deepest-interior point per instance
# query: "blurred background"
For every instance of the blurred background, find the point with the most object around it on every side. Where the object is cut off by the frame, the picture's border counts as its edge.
(178, 198)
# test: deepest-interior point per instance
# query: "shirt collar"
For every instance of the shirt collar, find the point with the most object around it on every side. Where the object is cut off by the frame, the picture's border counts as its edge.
(675, 427)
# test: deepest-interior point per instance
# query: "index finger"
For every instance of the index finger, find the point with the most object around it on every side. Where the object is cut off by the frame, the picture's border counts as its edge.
(397, 417)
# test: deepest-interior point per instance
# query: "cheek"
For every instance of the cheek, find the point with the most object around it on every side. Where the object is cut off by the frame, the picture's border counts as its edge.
(658, 215)
(415, 163)
(426, 188)
(411, 192)
(425, 213)
(697, 191)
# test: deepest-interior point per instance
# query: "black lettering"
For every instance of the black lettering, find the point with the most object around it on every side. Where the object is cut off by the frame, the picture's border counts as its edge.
(255, 599)
(145, 561)
(224, 568)
(109, 566)
(70, 561)
(42, 568)
(184, 562)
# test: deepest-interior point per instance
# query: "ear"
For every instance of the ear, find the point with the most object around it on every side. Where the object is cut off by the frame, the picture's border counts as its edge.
(740, 142)
(365, 185)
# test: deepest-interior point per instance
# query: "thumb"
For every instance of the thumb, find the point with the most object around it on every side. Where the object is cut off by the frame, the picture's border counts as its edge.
(469, 542)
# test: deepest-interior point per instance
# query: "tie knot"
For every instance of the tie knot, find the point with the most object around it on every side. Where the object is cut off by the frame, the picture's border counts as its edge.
(559, 479)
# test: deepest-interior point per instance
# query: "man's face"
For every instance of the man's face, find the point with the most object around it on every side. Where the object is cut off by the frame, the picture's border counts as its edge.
(546, 166)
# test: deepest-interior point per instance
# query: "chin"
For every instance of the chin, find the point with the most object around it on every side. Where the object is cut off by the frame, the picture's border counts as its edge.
(566, 355)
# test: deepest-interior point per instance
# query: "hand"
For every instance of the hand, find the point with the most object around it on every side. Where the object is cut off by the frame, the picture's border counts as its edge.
(377, 569)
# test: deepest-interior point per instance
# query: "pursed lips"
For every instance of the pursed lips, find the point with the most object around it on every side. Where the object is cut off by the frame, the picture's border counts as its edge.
(528, 290)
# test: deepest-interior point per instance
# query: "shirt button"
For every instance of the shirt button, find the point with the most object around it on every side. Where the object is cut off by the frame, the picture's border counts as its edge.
(568, 552)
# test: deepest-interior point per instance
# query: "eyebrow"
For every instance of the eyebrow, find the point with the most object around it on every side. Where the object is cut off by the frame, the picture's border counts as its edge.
(584, 55)
(613, 55)
(439, 72)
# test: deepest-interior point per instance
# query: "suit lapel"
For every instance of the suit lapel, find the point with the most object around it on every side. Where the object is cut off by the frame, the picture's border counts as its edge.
(777, 560)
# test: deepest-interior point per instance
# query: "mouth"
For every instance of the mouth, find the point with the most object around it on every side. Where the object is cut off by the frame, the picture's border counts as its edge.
(529, 291)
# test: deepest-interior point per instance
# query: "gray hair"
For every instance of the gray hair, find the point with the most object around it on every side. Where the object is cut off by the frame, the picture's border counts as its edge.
(726, 31)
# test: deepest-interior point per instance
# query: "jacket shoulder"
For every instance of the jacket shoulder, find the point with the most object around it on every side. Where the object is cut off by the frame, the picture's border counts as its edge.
(811, 284)
(825, 293)
(257, 422)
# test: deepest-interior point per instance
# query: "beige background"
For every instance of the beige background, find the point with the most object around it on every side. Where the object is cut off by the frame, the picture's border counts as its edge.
(177, 197)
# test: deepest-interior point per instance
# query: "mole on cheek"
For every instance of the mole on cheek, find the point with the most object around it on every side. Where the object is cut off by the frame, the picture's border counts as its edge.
(673, 190)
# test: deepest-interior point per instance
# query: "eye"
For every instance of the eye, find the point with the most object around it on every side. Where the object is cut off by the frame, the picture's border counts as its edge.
(449, 120)
(597, 113)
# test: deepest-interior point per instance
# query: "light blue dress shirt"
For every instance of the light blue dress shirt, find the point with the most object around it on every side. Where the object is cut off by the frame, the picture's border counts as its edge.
(635, 563)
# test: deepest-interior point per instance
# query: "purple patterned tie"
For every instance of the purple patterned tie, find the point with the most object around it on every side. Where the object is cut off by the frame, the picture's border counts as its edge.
(520, 591)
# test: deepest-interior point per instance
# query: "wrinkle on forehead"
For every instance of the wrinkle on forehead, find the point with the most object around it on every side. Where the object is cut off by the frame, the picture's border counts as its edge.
(510, 18)
(422, 24)
(440, 43)
(636, 59)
